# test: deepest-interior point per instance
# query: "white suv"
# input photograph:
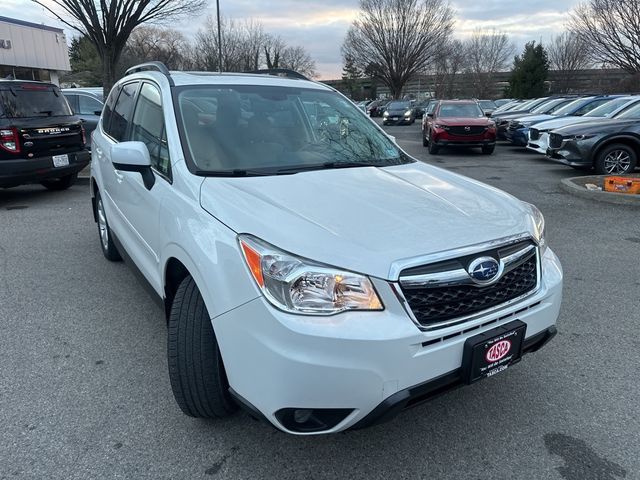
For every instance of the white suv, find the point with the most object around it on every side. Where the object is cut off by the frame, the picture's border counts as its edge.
(311, 271)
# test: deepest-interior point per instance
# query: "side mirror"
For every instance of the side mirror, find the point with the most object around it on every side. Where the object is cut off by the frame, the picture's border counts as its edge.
(97, 112)
(133, 157)
(430, 115)
(488, 114)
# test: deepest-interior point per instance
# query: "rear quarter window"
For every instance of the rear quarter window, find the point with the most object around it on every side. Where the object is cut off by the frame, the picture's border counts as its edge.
(120, 116)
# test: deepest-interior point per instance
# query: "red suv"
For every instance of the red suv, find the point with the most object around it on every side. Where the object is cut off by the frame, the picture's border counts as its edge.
(458, 123)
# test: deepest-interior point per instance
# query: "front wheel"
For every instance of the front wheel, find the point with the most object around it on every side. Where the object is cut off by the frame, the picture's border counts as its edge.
(433, 148)
(109, 249)
(425, 141)
(488, 150)
(197, 374)
(61, 183)
(616, 159)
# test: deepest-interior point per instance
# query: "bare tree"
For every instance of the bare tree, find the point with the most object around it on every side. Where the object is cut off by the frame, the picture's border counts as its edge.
(298, 59)
(148, 43)
(447, 66)
(401, 36)
(109, 23)
(273, 48)
(610, 29)
(568, 53)
(486, 54)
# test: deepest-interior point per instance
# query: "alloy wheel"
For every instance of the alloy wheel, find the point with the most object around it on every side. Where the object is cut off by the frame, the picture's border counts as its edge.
(102, 226)
(617, 161)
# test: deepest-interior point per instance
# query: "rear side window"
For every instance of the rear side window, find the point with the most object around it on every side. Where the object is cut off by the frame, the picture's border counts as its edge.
(107, 113)
(88, 105)
(33, 100)
(121, 113)
(73, 102)
(148, 127)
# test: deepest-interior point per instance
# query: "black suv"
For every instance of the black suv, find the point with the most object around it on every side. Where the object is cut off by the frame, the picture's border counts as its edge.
(41, 140)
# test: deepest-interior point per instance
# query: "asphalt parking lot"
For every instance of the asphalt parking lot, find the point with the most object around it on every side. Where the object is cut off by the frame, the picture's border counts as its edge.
(84, 390)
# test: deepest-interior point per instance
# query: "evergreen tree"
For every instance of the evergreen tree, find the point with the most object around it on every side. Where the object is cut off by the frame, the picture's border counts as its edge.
(350, 74)
(86, 66)
(529, 73)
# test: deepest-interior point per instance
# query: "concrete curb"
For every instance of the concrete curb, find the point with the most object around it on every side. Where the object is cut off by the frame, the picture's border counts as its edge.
(575, 187)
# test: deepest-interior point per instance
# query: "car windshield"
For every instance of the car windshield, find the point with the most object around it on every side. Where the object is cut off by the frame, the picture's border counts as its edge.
(267, 130)
(398, 106)
(632, 113)
(550, 106)
(33, 100)
(571, 107)
(487, 104)
(450, 110)
(620, 103)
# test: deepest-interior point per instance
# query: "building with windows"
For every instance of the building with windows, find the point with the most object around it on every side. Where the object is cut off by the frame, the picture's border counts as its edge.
(30, 51)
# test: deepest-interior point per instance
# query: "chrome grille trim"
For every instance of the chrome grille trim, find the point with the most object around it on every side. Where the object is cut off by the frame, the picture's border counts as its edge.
(468, 320)
(460, 276)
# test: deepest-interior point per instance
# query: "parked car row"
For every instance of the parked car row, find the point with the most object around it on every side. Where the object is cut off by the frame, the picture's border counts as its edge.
(595, 131)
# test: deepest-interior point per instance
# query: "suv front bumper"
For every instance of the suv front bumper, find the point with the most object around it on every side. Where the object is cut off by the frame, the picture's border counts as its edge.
(21, 171)
(360, 362)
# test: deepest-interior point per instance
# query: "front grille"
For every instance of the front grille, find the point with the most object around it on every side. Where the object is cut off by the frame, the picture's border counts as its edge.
(434, 305)
(534, 134)
(555, 140)
(467, 130)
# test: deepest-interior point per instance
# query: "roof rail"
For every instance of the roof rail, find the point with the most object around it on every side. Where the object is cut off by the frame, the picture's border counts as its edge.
(151, 66)
(280, 72)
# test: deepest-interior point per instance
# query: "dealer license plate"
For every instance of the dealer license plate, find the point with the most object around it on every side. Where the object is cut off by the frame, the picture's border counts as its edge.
(60, 160)
(493, 351)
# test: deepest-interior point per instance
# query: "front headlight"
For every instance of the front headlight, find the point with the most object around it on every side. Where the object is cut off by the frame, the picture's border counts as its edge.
(538, 226)
(298, 285)
(583, 136)
(407, 113)
(385, 114)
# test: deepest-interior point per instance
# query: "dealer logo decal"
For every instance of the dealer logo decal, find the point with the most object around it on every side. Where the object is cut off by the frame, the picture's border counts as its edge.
(498, 351)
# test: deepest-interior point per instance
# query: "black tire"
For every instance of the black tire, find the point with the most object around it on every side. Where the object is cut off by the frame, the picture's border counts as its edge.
(433, 148)
(425, 141)
(61, 183)
(616, 159)
(488, 150)
(109, 249)
(196, 371)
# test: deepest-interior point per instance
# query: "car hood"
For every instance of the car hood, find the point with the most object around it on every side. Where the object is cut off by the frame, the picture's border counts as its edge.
(564, 121)
(365, 219)
(533, 119)
(452, 121)
(599, 127)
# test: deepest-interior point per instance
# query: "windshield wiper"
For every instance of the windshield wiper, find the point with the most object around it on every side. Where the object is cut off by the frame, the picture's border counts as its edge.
(237, 172)
(328, 166)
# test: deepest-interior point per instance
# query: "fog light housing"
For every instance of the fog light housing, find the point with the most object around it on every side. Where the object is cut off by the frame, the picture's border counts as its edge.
(308, 420)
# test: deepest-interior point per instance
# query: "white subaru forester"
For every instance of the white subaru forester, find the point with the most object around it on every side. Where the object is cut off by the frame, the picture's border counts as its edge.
(311, 271)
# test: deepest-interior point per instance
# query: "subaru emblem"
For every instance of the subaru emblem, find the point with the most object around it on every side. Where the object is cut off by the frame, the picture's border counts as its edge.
(485, 270)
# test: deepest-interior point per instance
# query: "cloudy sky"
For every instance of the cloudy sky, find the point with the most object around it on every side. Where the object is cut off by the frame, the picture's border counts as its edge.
(320, 25)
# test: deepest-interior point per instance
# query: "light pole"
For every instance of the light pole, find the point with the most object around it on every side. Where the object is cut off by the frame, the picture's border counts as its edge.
(219, 38)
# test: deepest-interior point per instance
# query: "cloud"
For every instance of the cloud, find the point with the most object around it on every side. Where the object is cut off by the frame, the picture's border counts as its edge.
(320, 25)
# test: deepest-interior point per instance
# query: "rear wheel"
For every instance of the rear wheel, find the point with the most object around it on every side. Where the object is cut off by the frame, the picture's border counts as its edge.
(616, 159)
(196, 371)
(488, 150)
(109, 249)
(61, 183)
